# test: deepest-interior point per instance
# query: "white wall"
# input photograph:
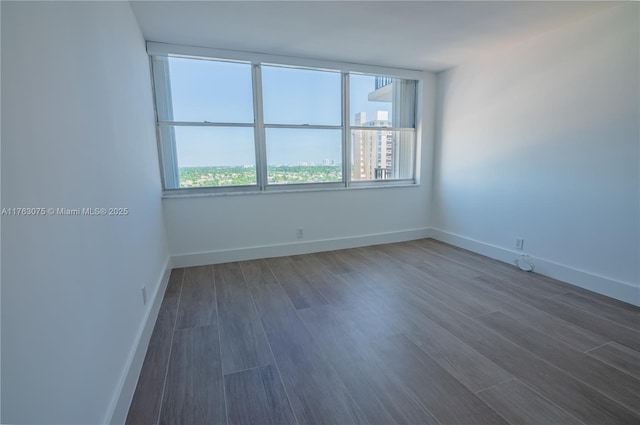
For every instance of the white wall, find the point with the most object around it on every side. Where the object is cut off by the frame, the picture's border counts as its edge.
(541, 141)
(77, 131)
(203, 230)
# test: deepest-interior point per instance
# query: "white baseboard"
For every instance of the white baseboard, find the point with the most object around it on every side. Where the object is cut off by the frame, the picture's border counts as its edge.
(622, 291)
(280, 250)
(119, 406)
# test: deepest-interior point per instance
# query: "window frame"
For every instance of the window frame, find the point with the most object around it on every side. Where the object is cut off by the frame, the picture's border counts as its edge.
(256, 60)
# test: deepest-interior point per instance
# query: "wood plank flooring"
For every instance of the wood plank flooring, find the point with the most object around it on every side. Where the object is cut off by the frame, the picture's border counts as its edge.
(416, 332)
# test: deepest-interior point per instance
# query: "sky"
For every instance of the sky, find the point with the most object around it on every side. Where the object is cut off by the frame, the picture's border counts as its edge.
(222, 92)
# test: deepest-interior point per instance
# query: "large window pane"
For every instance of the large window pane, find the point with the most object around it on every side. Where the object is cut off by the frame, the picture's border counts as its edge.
(303, 156)
(203, 90)
(377, 101)
(215, 156)
(382, 154)
(301, 96)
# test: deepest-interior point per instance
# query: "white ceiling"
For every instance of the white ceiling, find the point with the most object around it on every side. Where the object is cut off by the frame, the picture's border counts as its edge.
(422, 35)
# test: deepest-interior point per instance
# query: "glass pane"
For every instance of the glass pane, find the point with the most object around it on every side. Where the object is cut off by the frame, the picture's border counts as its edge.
(382, 154)
(196, 90)
(377, 101)
(303, 156)
(215, 156)
(301, 96)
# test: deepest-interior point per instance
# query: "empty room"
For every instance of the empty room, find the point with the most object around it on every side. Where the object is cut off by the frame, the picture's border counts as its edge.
(320, 212)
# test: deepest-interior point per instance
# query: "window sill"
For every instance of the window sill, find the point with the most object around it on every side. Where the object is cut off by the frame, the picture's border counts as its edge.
(170, 194)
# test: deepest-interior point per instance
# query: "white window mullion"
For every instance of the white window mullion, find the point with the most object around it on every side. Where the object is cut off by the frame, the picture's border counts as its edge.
(204, 124)
(417, 152)
(346, 132)
(305, 126)
(258, 113)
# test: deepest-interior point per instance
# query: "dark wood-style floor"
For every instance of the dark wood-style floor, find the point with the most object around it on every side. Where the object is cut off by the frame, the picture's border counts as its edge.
(410, 333)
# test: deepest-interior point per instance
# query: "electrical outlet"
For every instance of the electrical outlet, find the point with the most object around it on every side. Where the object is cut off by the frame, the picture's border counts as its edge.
(144, 295)
(299, 233)
(519, 244)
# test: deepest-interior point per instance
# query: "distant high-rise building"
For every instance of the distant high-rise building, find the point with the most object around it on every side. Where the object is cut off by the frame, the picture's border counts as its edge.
(372, 149)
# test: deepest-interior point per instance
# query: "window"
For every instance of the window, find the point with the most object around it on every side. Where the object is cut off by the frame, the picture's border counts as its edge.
(303, 125)
(383, 136)
(297, 155)
(246, 122)
(206, 122)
